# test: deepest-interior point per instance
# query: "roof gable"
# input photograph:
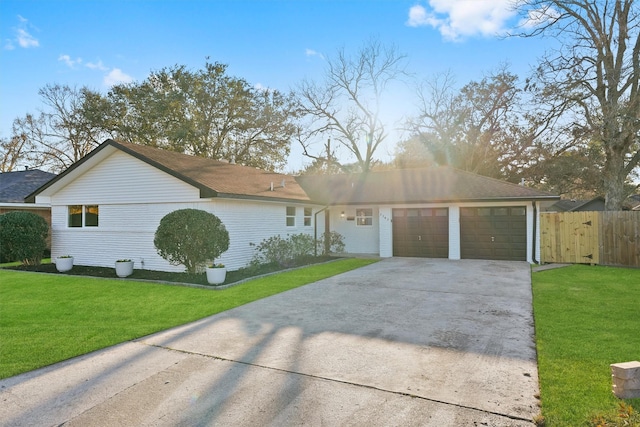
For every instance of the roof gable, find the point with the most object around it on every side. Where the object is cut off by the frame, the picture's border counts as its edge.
(437, 184)
(213, 178)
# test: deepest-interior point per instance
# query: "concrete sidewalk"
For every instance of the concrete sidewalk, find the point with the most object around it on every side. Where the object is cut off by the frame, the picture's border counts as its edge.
(401, 342)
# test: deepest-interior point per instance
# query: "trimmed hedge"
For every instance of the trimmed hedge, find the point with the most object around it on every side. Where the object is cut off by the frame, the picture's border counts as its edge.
(191, 237)
(23, 237)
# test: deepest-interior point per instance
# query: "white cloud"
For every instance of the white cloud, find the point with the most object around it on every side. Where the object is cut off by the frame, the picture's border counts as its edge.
(311, 52)
(539, 16)
(458, 19)
(116, 76)
(71, 63)
(418, 16)
(96, 66)
(21, 36)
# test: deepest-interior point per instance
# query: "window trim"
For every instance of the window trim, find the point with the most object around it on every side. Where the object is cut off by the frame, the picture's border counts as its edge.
(307, 219)
(290, 217)
(84, 211)
(363, 218)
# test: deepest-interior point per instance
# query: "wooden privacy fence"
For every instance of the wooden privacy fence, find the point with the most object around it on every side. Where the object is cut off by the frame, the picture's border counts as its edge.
(607, 238)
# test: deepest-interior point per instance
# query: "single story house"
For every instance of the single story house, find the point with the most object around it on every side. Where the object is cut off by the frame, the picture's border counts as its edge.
(108, 205)
(438, 212)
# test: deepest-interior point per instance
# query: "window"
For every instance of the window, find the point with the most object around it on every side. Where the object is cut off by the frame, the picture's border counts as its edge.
(83, 216)
(91, 216)
(364, 217)
(75, 216)
(308, 212)
(291, 216)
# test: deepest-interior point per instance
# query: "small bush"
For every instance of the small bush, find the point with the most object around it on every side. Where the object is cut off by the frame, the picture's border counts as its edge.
(23, 237)
(336, 243)
(191, 237)
(283, 252)
(287, 252)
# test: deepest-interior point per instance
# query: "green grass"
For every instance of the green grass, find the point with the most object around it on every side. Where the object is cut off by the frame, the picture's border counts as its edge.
(48, 318)
(586, 319)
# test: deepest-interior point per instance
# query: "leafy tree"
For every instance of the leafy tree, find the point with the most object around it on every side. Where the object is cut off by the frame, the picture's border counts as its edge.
(574, 173)
(23, 237)
(412, 153)
(204, 113)
(589, 85)
(191, 237)
(347, 106)
(478, 128)
(60, 134)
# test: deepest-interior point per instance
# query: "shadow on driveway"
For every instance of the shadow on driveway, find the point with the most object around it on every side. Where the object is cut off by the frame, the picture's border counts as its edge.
(405, 341)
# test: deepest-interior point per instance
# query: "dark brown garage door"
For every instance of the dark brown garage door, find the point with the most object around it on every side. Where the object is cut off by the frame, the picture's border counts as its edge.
(493, 233)
(421, 232)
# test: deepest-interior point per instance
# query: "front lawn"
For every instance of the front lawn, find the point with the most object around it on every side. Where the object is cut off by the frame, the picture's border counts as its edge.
(48, 318)
(586, 319)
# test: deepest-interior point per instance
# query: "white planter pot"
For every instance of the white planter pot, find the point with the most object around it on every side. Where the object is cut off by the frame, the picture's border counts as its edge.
(64, 264)
(216, 276)
(124, 268)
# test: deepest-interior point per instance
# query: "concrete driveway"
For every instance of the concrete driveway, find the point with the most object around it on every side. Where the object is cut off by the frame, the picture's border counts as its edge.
(411, 342)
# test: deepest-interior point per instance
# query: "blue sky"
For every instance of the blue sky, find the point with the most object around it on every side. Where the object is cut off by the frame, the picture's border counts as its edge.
(271, 43)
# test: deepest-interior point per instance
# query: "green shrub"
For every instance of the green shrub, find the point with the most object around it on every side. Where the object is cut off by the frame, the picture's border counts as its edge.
(286, 252)
(191, 237)
(283, 252)
(23, 237)
(336, 243)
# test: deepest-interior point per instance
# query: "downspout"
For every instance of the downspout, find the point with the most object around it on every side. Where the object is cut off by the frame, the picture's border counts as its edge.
(315, 229)
(535, 223)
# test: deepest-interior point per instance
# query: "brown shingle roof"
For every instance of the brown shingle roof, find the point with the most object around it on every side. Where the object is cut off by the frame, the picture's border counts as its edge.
(437, 184)
(213, 178)
(216, 178)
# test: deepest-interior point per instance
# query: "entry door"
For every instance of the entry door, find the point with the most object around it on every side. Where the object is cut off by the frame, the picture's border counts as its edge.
(421, 232)
(493, 233)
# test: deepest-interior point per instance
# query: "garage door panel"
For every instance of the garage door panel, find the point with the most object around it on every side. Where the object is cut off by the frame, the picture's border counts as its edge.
(421, 232)
(493, 233)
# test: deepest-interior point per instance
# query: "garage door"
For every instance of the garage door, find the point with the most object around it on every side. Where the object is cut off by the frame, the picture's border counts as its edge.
(493, 233)
(421, 232)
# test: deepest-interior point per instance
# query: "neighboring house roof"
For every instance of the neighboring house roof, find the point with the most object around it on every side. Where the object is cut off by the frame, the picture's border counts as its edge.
(573, 205)
(633, 202)
(15, 186)
(434, 184)
(212, 177)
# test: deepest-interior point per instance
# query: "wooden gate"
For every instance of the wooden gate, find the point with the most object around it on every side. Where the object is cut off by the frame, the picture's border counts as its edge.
(570, 237)
(606, 238)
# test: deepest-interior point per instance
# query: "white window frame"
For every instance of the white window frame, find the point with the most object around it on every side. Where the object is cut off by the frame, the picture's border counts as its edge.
(83, 220)
(308, 219)
(290, 218)
(362, 218)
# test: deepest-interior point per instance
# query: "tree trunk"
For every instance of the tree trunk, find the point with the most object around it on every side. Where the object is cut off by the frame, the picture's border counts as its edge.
(614, 177)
